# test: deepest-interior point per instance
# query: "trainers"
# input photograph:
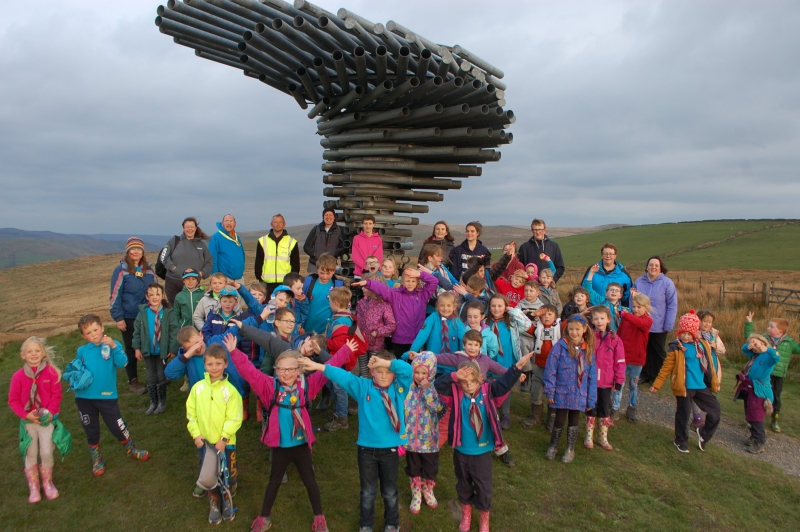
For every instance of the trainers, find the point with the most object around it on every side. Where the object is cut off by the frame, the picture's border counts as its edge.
(390, 528)
(338, 423)
(505, 423)
(697, 420)
(319, 524)
(756, 448)
(198, 492)
(285, 478)
(261, 524)
(683, 448)
(507, 459)
(701, 443)
(352, 410)
(214, 511)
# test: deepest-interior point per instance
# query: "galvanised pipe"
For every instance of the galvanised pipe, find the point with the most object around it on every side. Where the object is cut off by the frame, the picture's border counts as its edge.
(197, 24)
(264, 79)
(315, 11)
(496, 82)
(341, 70)
(322, 72)
(311, 90)
(343, 102)
(402, 64)
(361, 66)
(237, 8)
(301, 41)
(392, 192)
(464, 68)
(379, 91)
(468, 88)
(343, 38)
(387, 37)
(178, 29)
(258, 66)
(294, 90)
(282, 43)
(403, 245)
(218, 59)
(380, 61)
(397, 29)
(463, 53)
(321, 106)
(318, 37)
(379, 205)
(284, 7)
(390, 231)
(194, 43)
(437, 118)
(423, 114)
(388, 98)
(368, 119)
(481, 93)
(268, 60)
(437, 94)
(203, 5)
(443, 169)
(344, 14)
(258, 42)
(421, 91)
(190, 11)
(403, 180)
(340, 121)
(361, 34)
(424, 61)
(384, 219)
(234, 58)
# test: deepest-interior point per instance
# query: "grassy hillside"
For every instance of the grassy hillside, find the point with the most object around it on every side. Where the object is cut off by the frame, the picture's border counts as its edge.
(753, 244)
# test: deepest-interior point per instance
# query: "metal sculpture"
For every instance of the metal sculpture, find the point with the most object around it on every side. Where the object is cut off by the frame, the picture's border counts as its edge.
(401, 116)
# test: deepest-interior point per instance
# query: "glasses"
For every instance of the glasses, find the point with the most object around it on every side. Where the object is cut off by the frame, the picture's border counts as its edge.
(538, 230)
(609, 254)
(287, 370)
(287, 321)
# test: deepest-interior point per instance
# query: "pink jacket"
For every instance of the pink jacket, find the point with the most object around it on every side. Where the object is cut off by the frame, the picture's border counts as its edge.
(375, 314)
(363, 247)
(264, 387)
(49, 388)
(610, 356)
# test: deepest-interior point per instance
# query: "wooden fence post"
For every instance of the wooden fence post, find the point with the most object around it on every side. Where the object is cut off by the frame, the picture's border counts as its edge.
(722, 293)
(765, 295)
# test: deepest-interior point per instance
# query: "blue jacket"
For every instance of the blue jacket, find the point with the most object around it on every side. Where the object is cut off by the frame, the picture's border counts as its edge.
(104, 372)
(216, 325)
(429, 337)
(761, 370)
(228, 255)
(602, 279)
(194, 367)
(663, 301)
(128, 291)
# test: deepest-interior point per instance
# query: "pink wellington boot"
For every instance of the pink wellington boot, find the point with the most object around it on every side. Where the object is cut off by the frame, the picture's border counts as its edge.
(32, 475)
(50, 490)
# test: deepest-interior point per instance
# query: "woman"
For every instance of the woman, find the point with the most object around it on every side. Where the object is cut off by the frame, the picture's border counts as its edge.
(664, 310)
(324, 238)
(190, 251)
(128, 290)
(441, 237)
(471, 247)
(610, 271)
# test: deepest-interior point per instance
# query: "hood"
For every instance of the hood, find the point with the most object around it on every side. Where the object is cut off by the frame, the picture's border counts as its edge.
(222, 229)
(427, 359)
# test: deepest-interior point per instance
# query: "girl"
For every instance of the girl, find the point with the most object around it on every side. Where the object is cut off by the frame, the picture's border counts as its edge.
(578, 303)
(422, 408)
(408, 304)
(441, 237)
(549, 293)
(35, 396)
(507, 324)
(442, 330)
(710, 335)
(570, 383)
(376, 321)
(389, 272)
(470, 247)
(366, 244)
(754, 387)
(634, 328)
(610, 362)
(475, 311)
(431, 258)
(532, 270)
(289, 432)
(474, 432)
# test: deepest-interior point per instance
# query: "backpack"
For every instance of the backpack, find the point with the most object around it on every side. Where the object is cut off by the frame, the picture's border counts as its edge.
(308, 285)
(169, 247)
(306, 401)
(340, 334)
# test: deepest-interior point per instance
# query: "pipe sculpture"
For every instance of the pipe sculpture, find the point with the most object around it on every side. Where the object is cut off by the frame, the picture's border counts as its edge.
(402, 117)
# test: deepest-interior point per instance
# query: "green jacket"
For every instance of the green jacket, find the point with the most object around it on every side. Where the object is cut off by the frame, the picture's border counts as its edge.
(786, 348)
(184, 305)
(169, 332)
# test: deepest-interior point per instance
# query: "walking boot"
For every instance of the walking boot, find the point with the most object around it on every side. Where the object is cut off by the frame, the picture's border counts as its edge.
(259, 411)
(215, 507)
(134, 452)
(427, 493)
(98, 465)
(153, 391)
(536, 416)
(572, 437)
(555, 438)
(466, 518)
(588, 442)
(136, 387)
(631, 414)
(245, 409)
(551, 418)
(50, 490)
(162, 399)
(484, 524)
(32, 476)
(774, 425)
(603, 442)
(338, 423)
(416, 495)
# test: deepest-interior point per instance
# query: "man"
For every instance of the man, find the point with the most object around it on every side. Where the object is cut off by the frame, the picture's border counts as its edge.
(277, 254)
(324, 238)
(611, 271)
(227, 249)
(539, 244)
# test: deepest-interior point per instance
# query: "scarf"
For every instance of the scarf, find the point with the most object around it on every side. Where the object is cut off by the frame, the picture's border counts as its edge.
(475, 419)
(157, 327)
(292, 392)
(34, 401)
(701, 355)
(707, 336)
(446, 333)
(390, 409)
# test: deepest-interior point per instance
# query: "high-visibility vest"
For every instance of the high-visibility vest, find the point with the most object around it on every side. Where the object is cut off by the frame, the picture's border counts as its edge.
(277, 258)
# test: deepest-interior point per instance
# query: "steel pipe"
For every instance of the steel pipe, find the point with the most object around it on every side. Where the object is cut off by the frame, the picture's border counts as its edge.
(361, 66)
(322, 72)
(402, 64)
(477, 61)
(341, 71)
(343, 38)
(361, 34)
(321, 105)
(311, 90)
(421, 91)
(178, 29)
(378, 92)
(399, 91)
(346, 100)
(437, 94)
(380, 61)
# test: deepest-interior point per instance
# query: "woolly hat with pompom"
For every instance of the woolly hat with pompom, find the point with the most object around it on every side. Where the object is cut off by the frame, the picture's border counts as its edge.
(689, 323)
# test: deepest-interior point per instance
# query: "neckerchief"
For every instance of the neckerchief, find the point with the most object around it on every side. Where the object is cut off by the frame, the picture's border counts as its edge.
(293, 395)
(496, 332)
(235, 239)
(701, 355)
(390, 409)
(475, 419)
(157, 326)
(707, 336)
(33, 399)
(776, 341)
(581, 363)
(446, 334)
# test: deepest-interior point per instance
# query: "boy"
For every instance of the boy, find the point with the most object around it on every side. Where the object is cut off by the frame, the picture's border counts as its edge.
(101, 357)
(217, 321)
(476, 291)
(475, 312)
(612, 299)
(692, 366)
(786, 347)
(187, 299)
(381, 430)
(546, 334)
(316, 288)
(299, 301)
(210, 301)
(214, 411)
(337, 334)
(367, 243)
(531, 302)
(372, 265)
(473, 346)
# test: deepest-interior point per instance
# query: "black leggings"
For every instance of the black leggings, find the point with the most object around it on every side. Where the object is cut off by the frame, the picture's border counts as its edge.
(127, 340)
(399, 349)
(561, 417)
(300, 455)
(91, 410)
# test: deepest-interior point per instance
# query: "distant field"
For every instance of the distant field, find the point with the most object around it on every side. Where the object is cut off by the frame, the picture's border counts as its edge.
(773, 248)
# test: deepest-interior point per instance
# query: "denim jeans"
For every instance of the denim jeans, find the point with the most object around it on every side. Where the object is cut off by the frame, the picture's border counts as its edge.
(339, 399)
(632, 380)
(373, 465)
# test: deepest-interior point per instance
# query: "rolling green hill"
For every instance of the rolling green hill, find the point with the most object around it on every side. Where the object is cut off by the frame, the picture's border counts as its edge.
(712, 245)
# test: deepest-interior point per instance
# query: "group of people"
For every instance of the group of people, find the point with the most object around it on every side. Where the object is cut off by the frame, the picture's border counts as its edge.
(422, 356)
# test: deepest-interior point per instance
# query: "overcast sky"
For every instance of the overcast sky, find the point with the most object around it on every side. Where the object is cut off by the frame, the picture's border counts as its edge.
(627, 112)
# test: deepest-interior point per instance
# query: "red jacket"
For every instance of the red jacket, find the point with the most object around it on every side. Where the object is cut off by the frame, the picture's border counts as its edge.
(514, 295)
(49, 388)
(610, 358)
(634, 332)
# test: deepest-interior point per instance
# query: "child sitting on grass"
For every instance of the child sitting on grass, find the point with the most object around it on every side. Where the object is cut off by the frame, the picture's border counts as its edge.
(609, 355)
(754, 388)
(634, 331)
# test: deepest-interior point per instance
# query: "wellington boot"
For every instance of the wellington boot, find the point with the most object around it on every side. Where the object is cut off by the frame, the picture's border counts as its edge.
(588, 441)
(572, 438)
(536, 417)
(603, 440)
(555, 438)
(32, 476)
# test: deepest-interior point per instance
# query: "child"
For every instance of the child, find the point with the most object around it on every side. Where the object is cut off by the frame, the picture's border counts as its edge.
(474, 432)
(316, 288)
(786, 347)
(101, 357)
(408, 304)
(432, 257)
(473, 350)
(155, 337)
(609, 357)
(381, 429)
(474, 311)
(366, 244)
(532, 271)
(578, 303)
(692, 366)
(376, 321)
(289, 435)
(422, 407)
(299, 301)
(218, 319)
(611, 300)
(549, 293)
(506, 323)
(187, 299)
(214, 411)
(511, 283)
(546, 334)
(372, 265)
(634, 331)
(210, 301)
(755, 389)
(531, 301)
(35, 397)
(442, 331)
(389, 273)
(570, 383)
(476, 292)
(710, 335)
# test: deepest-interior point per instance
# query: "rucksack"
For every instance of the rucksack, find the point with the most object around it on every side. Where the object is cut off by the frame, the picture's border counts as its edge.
(308, 285)
(169, 247)
(340, 333)
(306, 403)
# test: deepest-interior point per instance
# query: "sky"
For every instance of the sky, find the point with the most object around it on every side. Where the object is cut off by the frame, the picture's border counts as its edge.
(627, 112)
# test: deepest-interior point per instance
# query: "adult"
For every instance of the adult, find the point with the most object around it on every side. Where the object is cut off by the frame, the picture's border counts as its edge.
(663, 309)
(470, 247)
(324, 238)
(227, 249)
(441, 237)
(539, 244)
(190, 251)
(129, 284)
(277, 254)
(610, 271)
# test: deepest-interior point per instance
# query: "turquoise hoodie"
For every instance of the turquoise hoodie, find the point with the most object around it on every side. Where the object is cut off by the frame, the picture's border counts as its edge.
(228, 253)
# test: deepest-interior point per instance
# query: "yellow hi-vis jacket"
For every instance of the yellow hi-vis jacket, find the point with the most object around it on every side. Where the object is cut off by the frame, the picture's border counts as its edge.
(277, 258)
(214, 410)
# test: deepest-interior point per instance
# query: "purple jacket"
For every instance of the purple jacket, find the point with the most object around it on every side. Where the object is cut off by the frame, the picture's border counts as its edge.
(487, 365)
(408, 307)
(561, 380)
(264, 387)
(609, 357)
(375, 315)
(663, 301)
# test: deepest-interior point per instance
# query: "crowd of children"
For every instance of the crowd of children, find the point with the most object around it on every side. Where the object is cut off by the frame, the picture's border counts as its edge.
(428, 356)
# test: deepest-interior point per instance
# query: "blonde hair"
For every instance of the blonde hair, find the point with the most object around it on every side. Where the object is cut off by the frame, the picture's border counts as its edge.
(49, 352)
(549, 273)
(218, 277)
(394, 265)
(341, 296)
(759, 337)
(291, 353)
(446, 296)
(642, 300)
(476, 369)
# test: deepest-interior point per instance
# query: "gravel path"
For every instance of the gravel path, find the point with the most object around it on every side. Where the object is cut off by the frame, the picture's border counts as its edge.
(781, 451)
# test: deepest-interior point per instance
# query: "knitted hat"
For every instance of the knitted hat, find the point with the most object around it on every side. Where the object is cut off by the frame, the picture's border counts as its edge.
(134, 242)
(689, 323)
(330, 210)
(189, 272)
